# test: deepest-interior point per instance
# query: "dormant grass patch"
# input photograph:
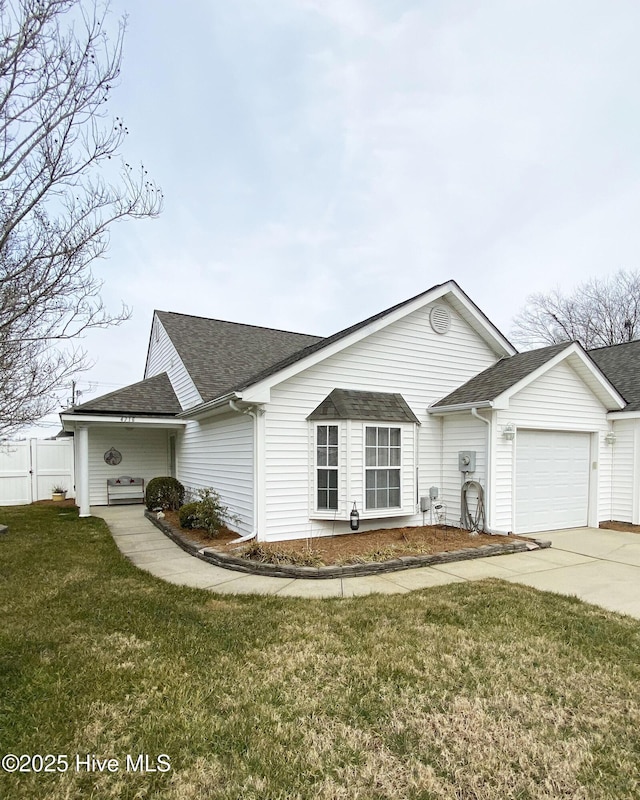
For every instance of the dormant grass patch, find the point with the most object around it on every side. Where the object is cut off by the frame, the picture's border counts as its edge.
(471, 691)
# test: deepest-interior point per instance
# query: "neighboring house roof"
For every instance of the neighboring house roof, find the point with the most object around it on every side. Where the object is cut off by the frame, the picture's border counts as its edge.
(501, 376)
(350, 404)
(621, 364)
(221, 356)
(151, 397)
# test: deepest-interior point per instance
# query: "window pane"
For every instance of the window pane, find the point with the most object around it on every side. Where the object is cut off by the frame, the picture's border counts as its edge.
(381, 498)
(370, 456)
(322, 498)
(322, 456)
(371, 498)
(323, 477)
(333, 498)
(371, 479)
(394, 457)
(383, 457)
(371, 437)
(394, 497)
(322, 434)
(383, 437)
(333, 434)
(332, 475)
(394, 437)
(394, 478)
(333, 457)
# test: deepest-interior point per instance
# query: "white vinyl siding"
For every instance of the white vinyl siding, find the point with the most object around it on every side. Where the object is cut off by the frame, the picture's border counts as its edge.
(557, 401)
(163, 357)
(460, 432)
(217, 453)
(625, 482)
(407, 357)
(145, 454)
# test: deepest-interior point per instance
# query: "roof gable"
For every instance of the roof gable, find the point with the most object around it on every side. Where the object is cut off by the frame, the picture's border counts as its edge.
(151, 397)
(338, 341)
(493, 381)
(351, 404)
(497, 384)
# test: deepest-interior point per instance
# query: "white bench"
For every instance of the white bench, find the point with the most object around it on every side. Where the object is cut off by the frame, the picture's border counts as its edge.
(125, 490)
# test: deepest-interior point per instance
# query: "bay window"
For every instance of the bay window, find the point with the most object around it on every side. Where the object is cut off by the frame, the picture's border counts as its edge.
(383, 459)
(327, 467)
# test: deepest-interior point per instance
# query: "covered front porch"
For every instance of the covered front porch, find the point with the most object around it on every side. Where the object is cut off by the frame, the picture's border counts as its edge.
(132, 432)
(107, 448)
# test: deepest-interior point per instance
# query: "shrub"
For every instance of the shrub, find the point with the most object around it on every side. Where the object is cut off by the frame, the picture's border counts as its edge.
(208, 512)
(164, 493)
(188, 515)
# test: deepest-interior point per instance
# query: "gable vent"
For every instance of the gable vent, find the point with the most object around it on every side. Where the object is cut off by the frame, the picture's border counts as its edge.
(440, 319)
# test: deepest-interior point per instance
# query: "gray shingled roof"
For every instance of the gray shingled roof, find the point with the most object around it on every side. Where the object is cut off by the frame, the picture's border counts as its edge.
(621, 364)
(151, 397)
(501, 376)
(221, 356)
(351, 404)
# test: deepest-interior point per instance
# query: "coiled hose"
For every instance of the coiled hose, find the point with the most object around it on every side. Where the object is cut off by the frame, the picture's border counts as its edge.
(477, 522)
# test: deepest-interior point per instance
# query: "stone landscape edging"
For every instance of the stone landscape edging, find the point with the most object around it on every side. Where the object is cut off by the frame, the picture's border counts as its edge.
(347, 571)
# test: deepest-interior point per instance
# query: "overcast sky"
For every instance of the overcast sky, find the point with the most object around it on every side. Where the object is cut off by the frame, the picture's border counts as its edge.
(322, 160)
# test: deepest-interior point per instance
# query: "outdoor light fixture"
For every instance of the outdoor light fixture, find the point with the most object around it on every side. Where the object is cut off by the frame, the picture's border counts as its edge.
(610, 438)
(509, 432)
(354, 518)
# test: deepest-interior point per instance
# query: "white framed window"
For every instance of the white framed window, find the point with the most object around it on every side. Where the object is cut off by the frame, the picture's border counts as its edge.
(327, 455)
(383, 465)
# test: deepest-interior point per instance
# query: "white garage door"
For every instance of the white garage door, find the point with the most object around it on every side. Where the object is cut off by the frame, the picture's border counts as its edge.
(552, 480)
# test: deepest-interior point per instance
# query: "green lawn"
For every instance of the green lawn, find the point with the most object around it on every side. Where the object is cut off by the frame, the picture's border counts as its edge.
(482, 690)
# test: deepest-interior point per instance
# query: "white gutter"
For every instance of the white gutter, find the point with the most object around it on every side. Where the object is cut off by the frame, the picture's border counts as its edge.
(211, 405)
(251, 413)
(460, 407)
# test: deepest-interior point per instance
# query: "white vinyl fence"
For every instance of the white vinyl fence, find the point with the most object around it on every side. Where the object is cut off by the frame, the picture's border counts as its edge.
(30, 469)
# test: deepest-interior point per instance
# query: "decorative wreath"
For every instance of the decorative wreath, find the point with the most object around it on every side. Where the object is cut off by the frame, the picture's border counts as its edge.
(113, 457)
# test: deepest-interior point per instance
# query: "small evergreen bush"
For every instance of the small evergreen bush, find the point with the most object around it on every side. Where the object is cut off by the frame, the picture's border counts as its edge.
(188, 515)
(208, 513)
(164, 493)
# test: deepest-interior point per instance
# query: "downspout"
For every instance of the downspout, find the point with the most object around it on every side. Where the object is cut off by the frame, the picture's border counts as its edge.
(487, 499)
(251, 413)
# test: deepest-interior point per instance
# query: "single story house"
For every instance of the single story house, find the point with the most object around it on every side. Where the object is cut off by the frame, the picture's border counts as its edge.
(297, 431)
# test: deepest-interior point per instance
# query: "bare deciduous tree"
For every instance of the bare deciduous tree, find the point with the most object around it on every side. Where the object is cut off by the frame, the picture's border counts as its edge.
(57, 68)
(598, 313)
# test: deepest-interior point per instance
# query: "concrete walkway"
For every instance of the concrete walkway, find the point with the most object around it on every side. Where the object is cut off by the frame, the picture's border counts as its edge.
(601, 567)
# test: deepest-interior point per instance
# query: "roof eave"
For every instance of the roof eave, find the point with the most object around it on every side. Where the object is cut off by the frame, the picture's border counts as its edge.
(459, 407)
(211, 406)
(71, 420)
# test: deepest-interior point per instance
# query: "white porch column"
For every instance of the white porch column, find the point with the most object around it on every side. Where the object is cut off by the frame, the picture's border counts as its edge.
(82, 470)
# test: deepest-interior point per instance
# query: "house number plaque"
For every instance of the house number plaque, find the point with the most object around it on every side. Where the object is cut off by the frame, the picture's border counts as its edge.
(113, 457)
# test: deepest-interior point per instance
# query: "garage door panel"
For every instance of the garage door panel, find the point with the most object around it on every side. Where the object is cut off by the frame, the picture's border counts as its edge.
(552, 480)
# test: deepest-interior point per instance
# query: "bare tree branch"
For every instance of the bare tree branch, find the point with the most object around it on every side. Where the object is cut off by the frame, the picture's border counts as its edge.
(598, 313)
(57, 69)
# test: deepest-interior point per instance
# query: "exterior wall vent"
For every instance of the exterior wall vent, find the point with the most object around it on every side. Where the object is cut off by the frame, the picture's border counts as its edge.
(440, 319)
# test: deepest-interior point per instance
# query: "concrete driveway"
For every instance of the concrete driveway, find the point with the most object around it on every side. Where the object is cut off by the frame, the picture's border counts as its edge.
(598, 566)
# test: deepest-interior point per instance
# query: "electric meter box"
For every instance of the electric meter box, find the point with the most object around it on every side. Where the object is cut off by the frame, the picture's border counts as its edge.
(467, 460)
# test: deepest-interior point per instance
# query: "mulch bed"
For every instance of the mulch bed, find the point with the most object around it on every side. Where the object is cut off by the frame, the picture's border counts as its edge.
(355, 547)
(626, 527)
